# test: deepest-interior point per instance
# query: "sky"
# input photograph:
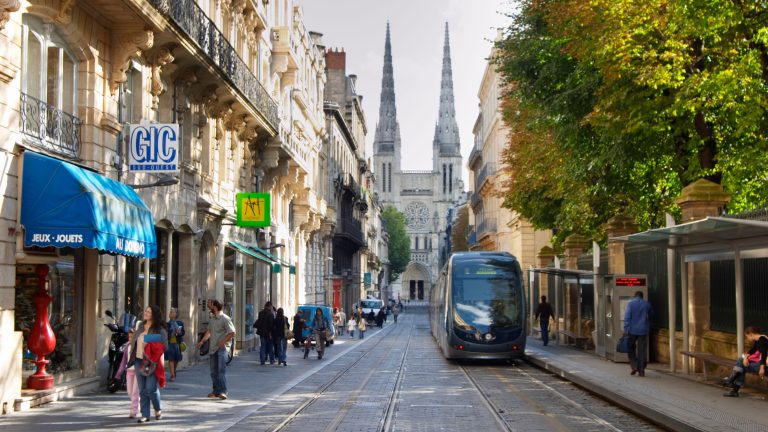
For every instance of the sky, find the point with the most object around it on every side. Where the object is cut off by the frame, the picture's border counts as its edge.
(417, 31)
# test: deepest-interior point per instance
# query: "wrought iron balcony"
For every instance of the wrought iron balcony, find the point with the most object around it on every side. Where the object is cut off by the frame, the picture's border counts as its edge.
(50, 128)
(475, 199)
(486, 226)
(486, 171)
(188, 16)
(351, 229)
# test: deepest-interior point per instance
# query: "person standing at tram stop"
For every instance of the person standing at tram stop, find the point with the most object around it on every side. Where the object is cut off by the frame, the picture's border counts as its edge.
(751, 361)
(637, 325)
(396, 312)
(149, 386)
(544, 314)
(220, 331)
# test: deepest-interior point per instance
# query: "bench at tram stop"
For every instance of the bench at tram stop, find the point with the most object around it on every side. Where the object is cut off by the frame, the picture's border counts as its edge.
(727, 363)
(574, 339)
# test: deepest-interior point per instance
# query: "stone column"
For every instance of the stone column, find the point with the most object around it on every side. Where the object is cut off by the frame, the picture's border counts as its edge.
(573, 246)
(617, 226)
(698, 200)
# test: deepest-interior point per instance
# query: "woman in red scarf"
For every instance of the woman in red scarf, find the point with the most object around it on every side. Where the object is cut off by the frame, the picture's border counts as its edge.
(152, 338)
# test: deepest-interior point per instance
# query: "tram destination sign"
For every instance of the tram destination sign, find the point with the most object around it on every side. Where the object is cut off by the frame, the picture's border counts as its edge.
(153, 147)
(629, 281)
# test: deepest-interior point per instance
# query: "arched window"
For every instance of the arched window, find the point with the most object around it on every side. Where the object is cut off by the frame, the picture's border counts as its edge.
(48, 89)
(49, 71)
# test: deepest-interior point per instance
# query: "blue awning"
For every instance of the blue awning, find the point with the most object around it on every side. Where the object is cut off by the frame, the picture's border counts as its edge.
(63, 205)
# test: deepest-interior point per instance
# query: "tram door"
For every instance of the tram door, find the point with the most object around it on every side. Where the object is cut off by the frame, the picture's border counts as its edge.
(619, 290)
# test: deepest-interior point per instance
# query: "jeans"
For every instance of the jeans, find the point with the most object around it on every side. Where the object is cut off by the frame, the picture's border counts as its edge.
(320, 342)
(280, 346)
(396, 318)
(739, 369)
(362, 334)
(544, 330)
(267, 349)
(638, 352)
(218, 363)
(149, 391)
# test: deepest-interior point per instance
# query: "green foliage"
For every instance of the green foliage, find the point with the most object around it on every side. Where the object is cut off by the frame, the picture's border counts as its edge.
(615, 105)
(399, 244)
(459, 231)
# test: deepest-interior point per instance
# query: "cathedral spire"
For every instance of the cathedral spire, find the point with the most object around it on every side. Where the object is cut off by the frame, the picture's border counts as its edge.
(447, 130)
(387, 130)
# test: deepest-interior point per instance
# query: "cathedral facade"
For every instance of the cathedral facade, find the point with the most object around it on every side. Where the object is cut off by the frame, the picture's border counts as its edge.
(424, 196)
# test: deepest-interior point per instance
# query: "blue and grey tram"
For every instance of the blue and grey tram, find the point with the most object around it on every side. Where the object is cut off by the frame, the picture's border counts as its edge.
(477, 307)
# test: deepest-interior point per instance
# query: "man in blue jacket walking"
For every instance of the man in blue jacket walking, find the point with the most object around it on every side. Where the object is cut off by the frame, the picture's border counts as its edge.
(637, 325)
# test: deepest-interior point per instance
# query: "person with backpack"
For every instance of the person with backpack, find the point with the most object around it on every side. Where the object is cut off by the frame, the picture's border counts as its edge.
(278, 337)
(264, 325)
(320, 326)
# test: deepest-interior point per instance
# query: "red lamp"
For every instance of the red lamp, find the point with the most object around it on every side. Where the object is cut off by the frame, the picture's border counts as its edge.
(41, 340)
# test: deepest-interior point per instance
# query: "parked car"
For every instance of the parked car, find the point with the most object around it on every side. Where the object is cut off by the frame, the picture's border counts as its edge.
(308, 313)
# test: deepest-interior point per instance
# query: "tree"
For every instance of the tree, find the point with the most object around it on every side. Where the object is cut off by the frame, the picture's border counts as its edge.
(459, 240)
(399, 245)
(615, 105)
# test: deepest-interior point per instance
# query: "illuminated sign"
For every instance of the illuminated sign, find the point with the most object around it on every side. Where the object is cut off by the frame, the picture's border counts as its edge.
(629, 281)
(253, 209)
(154, 148)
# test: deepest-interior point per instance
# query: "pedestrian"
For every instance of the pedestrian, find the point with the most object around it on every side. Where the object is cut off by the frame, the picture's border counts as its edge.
(278, 337)
(220, 331)
(298, 329)
(751, 361)
(264, 325)
(637, 325)
(361, 325)
(151, 329)
(175, 340)
(351, 324)
(128, 367)
(380, 318)
(320, 326)
(342, 321)
(544, 314)
(336, 319)
(396, 312)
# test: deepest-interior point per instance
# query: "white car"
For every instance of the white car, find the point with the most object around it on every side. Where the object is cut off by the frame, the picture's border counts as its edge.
(371, 305)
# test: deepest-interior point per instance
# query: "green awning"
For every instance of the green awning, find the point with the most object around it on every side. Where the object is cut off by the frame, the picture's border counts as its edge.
(269, 256)
(245, 250)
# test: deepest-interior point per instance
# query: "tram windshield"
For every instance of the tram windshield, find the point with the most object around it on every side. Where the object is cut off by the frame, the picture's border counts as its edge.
(486, 295)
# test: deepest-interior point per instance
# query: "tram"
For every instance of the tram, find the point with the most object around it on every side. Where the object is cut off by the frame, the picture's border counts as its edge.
(477, 307)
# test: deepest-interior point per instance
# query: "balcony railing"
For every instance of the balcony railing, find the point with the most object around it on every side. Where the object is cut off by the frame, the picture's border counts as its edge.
(50, 128)
(188, 16)
(351, 228)
(486, 226)
(486, 171)
(475, 199)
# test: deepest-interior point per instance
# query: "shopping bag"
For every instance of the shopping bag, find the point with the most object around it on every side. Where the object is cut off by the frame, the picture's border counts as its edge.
(623, 345)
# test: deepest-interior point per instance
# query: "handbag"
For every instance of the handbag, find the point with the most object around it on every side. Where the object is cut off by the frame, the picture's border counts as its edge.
(288, 333)
(623, 345)
(147, 367)
(183, 346)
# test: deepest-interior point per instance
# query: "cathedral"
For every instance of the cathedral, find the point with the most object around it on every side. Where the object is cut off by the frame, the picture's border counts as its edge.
(423, 196)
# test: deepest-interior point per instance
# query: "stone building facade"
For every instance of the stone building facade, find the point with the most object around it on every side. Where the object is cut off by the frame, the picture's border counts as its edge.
(423, 196)
(244, 80)
(495, 227)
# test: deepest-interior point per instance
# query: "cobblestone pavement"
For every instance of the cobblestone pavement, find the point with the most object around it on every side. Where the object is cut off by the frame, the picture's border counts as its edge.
(394, 380)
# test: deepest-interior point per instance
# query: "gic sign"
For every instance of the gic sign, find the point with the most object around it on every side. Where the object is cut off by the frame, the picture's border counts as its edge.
(154, 148)
(629, 281)
(253, 209)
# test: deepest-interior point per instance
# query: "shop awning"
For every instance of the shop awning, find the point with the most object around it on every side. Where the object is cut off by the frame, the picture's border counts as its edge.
(63, 205)
(245, 250)
(274, 259)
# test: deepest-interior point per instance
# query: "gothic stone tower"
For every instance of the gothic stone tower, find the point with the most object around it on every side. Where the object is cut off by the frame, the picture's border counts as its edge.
(423, 196)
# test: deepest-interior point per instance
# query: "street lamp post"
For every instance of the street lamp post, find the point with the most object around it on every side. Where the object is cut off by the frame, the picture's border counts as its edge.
(271, 273)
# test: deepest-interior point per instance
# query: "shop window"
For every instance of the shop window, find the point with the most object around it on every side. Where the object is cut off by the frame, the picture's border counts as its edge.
(230, 257)
(134, 278)
(65, 284)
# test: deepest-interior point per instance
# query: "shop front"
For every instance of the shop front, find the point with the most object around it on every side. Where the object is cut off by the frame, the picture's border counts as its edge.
(69, 216)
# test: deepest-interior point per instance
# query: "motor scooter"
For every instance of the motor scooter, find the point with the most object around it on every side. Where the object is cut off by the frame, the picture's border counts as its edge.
(116, 347)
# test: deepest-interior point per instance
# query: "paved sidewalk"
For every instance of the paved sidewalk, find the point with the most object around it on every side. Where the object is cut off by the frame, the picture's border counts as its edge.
(185, 405)
(674, 401)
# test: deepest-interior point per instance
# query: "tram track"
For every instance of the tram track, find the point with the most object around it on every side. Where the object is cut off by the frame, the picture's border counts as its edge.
(306, 405)
(387, 424)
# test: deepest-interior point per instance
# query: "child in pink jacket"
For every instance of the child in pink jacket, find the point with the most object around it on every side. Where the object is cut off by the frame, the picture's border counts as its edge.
(130, 377)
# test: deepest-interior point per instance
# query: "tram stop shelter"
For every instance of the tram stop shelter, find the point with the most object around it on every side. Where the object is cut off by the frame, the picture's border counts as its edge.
(559, 282)
(710, 239)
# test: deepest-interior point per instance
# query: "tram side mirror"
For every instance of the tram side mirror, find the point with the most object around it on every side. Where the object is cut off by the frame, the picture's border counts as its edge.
(109, 314)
